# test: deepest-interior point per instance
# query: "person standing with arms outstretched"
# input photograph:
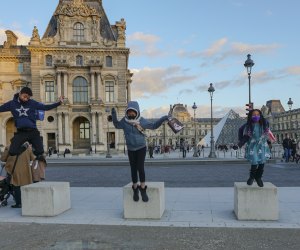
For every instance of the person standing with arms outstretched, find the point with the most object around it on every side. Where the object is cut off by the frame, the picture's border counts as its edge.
(134, 126)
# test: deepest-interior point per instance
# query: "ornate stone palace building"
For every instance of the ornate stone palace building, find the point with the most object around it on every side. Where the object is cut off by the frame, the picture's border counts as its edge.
(282, 122)
(80, 56)
(193, 129)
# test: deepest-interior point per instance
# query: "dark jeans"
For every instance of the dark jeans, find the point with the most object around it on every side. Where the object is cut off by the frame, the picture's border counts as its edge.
(23, 135)
(17, 194)
(137, 160)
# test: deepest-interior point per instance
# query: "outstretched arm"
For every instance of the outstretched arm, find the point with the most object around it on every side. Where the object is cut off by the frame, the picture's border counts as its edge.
(154, 125)
(5, 107)
(42, 106)
(116, 123)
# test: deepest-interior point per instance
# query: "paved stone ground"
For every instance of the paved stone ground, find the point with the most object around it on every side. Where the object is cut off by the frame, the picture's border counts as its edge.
(186, 175)
(36, 236)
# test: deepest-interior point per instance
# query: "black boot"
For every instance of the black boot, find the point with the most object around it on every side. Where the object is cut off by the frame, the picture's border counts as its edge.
(17, 196)
(135, 193)
(258, 176)
(252, 175)
(144, 194)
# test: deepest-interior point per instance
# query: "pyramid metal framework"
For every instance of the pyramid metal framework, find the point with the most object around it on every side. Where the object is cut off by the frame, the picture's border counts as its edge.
(226, 131)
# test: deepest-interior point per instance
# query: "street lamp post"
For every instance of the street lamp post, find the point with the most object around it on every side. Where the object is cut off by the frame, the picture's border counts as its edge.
(194, 107)
(212, 153)
(95, 143)
(248, 65)
(290, 103)
(108, 155)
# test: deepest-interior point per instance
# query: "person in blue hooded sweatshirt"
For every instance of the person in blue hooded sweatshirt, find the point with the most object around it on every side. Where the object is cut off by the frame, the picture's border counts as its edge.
(24, 111)
(134, 127)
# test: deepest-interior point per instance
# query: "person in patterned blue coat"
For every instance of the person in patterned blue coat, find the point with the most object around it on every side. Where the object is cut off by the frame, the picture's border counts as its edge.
(255, 134)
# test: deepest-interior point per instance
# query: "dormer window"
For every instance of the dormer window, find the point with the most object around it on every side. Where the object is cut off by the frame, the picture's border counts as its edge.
(108, 61)
(78, 32)
(48, 60)
(79, 60)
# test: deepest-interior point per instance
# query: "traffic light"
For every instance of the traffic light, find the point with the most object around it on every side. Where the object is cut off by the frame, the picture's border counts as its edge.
(249, 107)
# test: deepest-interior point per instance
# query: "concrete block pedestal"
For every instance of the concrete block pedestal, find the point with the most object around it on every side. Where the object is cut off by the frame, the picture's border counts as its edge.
(45, 198)
(255, 203)
(153, 209)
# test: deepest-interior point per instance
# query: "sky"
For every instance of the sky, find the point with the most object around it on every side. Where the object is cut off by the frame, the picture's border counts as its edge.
(177, 48)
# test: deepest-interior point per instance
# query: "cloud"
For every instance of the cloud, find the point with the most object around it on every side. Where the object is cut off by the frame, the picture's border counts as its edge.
(142, 44)
(155, 112)
(222, 49)
(148, 81)
(22, 38)
(238, 48)
(202, 111)
(294, 70)
(215, 47)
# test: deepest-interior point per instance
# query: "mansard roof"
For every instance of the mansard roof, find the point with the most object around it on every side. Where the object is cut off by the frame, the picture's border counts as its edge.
(82, 8)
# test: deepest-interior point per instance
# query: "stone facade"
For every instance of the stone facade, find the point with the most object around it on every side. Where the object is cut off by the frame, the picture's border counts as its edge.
(80, 56)
(282, 122)
(198, 127)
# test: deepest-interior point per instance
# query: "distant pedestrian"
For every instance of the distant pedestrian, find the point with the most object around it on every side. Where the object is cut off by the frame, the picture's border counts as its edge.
(287, 146)
(255, 134)
(151, 149)
(184, 149)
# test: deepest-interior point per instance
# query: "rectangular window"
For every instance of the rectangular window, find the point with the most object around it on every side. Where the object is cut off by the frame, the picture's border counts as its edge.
(108, 61)
(49, 90)
(21, 67)
(109, 91)
(49, 60)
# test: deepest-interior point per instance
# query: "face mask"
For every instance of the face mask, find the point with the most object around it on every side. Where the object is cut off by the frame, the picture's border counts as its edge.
(131, 117)
(255, 118)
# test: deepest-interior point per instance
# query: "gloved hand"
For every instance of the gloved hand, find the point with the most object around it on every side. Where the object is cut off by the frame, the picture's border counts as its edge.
(113, 111)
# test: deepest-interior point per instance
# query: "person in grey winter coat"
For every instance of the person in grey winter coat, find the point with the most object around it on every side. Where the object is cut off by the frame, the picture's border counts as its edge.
(134, 127)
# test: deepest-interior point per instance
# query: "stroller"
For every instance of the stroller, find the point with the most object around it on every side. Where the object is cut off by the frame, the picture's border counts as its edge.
(6, 189)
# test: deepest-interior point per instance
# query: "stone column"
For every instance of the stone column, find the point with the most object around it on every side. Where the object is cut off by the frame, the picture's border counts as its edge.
(66, 84)
(58, 84)
(93, 85)
(60, 128)
(94, 129)
(100, 128)
(99, 86)
(67, 129)
(128, 91)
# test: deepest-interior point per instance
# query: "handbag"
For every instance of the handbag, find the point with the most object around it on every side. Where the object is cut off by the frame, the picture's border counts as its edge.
(175, 125)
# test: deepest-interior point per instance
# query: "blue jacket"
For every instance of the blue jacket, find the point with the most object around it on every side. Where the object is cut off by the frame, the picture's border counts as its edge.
(135, 139)
(25, 113)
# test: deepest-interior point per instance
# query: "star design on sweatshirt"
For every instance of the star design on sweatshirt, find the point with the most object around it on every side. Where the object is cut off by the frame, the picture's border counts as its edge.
(22, 111)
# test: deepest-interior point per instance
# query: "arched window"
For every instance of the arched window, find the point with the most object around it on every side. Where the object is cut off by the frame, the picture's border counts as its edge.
(109, 61)
(48, 60)
(79, 60)
(78, 32)
(80, 90)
